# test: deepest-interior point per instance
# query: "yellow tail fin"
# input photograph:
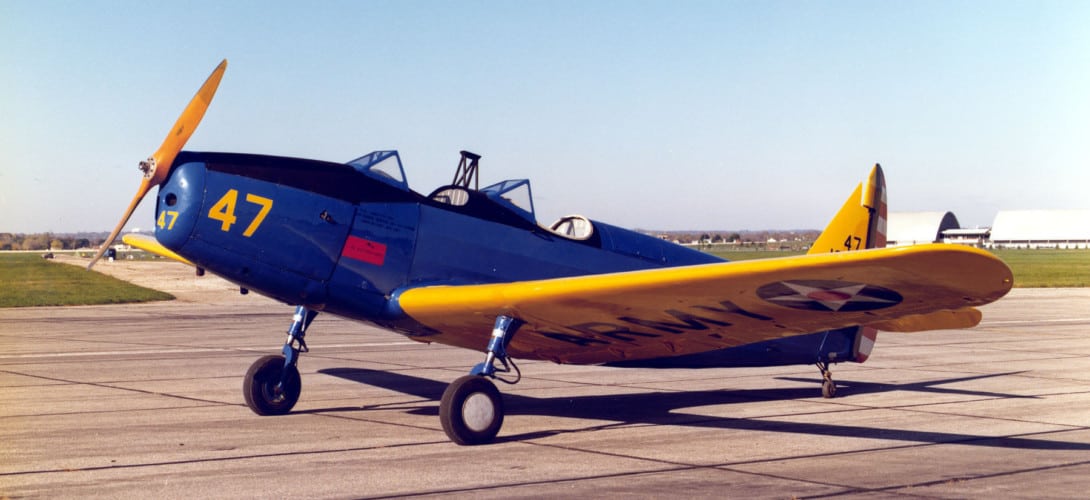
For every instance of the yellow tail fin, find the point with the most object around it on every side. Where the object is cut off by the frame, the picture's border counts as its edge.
(861, 222)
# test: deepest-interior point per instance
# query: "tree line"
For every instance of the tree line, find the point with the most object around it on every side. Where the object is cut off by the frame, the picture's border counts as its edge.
(49, 241)
(746, 237)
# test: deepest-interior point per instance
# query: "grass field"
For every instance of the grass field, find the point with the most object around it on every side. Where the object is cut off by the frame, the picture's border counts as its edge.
(1048, 268)
(1032, 268)
(26, 279)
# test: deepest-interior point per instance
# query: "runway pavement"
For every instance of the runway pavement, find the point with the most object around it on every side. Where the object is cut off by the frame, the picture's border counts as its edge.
(145, 401)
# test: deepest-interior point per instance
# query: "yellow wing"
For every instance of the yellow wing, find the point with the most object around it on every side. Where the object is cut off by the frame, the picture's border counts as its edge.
(684, 310)
(150, 244)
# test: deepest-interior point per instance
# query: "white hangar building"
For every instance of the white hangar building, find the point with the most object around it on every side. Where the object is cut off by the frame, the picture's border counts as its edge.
(914, 228)
(1041, 229)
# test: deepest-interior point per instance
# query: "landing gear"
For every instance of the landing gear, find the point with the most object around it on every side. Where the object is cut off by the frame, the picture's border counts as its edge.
(828, 386)
(272, 384)
(471, 410)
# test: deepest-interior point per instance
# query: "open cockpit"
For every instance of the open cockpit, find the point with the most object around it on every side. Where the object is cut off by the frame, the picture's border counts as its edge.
(510, 201)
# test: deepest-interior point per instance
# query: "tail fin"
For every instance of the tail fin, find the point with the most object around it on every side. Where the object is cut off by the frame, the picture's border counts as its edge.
(861, 222)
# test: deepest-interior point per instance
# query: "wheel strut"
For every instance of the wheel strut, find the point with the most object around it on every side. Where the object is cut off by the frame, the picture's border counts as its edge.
(296, 343)
(502, 333)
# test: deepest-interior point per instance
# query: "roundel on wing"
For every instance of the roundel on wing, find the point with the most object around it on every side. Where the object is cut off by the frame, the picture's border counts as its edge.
(829, 295)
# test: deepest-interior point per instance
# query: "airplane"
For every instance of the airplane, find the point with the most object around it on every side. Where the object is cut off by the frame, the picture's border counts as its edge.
(471, 267)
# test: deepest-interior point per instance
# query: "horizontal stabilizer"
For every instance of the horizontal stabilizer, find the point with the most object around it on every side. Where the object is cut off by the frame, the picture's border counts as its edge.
(939, 320)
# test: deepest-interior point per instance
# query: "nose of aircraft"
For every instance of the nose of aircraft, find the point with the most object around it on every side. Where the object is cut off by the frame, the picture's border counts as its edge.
(179, 203)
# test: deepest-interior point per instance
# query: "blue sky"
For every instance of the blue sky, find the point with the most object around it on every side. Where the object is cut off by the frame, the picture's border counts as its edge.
(656, 115)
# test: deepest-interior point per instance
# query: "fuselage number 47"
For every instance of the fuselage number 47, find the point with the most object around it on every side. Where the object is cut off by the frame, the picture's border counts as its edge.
(224, 211)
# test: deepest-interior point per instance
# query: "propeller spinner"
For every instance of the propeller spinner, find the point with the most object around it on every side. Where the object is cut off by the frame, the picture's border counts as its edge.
(157, 166)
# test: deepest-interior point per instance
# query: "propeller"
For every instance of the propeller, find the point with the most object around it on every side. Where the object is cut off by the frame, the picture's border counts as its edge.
(157, 166)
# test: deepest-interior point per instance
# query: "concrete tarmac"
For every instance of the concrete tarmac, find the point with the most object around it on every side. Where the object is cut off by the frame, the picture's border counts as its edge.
(145, 401)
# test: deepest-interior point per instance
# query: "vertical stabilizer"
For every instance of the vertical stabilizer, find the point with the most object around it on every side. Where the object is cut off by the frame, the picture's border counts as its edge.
(861, 222)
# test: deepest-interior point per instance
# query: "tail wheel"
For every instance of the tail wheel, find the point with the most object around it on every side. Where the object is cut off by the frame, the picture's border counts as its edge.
(262, 388)
(828, 389)
(471, 410)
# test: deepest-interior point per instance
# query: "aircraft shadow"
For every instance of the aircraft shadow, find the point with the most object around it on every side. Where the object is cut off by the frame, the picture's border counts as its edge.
(850, 387)
(662, 408)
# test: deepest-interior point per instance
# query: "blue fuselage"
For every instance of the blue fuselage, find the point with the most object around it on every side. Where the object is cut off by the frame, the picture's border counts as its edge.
(334, 238)
(337, 240)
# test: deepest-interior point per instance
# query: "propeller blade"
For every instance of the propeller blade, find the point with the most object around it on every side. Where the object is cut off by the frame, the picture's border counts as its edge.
(163, 158)
(157, 167)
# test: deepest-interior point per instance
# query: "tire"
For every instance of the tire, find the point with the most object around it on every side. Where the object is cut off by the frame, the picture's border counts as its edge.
(471, 410)
(828, 389)
(259, 386)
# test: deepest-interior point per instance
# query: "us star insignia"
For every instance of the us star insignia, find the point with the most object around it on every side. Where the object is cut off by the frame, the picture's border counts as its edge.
(828, 295)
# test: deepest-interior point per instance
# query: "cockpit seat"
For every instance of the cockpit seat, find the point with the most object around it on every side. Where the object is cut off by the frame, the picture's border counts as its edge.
(451, 195)
(575, 227)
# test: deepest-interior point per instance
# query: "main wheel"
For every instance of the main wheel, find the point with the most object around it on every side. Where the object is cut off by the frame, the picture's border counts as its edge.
(260, 387)
(828, 389)
(471, 410)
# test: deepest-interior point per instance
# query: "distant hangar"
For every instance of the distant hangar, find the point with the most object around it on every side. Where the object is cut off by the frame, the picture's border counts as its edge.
(1011, 229)
(1041, 229)
(914, 228)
